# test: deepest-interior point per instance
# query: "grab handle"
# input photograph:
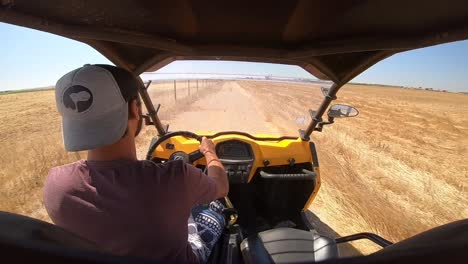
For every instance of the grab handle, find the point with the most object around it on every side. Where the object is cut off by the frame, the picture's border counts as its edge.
(306, 175)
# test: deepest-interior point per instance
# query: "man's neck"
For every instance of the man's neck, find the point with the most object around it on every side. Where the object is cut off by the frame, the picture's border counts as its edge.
(124, 149)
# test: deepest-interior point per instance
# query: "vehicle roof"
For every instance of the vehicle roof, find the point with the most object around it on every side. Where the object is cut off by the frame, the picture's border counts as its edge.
(332, 39)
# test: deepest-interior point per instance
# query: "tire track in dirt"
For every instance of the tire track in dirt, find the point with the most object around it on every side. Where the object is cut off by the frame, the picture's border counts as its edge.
(230, 108)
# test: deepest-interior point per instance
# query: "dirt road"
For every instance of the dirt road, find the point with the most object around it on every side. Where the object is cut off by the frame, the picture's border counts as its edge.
(230, 108)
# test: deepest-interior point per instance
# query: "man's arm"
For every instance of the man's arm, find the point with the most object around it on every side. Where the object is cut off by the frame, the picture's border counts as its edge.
(215, 167)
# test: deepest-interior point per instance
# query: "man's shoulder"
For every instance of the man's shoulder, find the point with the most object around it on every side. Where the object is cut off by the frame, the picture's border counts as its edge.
(116, 164)
(64, 178)
(66, 167)
(141, 167)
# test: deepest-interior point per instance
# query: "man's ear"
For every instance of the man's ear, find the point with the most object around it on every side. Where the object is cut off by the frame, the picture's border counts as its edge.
(134, 110)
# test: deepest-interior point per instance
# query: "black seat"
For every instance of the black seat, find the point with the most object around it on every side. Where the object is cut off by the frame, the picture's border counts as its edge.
(288, 245)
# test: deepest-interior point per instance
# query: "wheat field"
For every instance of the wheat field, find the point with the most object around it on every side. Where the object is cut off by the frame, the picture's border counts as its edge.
(402, 163)
(397, 169)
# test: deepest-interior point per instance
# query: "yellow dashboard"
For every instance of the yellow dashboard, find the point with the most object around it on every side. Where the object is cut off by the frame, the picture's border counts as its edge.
(265, 152)
(242, 154)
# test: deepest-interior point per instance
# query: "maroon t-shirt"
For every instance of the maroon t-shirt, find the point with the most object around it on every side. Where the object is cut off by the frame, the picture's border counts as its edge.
(135, 208)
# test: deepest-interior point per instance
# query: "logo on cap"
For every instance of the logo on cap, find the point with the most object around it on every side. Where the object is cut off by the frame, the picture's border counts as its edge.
(78, 98)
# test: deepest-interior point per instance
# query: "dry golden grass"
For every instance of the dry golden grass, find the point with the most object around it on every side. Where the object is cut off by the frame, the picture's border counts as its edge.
(31, 144)
(401, 164)
(397, 169)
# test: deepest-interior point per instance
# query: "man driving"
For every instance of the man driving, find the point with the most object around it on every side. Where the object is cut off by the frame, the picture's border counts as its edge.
(125, 205)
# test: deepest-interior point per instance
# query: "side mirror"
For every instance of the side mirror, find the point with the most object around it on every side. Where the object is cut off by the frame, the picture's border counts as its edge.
(339, 110)
(147, 120)
(325, 90)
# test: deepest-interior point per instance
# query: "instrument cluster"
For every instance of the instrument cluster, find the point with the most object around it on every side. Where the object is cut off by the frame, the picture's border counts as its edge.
(237, 157)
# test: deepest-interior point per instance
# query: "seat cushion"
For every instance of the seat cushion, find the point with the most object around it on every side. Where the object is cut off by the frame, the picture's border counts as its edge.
(288, 245)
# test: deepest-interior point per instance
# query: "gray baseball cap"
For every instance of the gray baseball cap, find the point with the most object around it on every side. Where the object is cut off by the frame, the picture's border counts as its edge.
(93, 102)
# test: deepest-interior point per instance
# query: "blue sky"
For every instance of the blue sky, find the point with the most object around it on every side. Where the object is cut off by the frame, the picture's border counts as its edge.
(32, 59)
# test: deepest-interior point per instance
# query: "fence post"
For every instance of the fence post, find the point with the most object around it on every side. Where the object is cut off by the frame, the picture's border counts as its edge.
(175, 91)
(197, 86)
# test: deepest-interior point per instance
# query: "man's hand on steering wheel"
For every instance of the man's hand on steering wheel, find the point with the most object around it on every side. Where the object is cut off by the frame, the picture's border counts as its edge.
(207, 146)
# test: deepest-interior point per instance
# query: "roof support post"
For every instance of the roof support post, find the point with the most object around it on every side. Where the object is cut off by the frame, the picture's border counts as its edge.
(305, 135)
(152, 112)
